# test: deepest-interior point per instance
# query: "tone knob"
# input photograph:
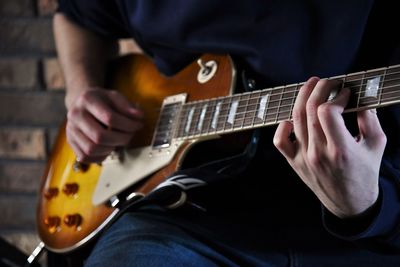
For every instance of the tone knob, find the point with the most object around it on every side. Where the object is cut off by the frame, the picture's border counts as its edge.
(52, 223)
(80, 167)
(73, 220)
(51, 193)
(70, 189)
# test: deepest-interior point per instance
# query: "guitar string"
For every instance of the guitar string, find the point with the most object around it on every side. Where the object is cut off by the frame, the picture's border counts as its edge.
(226, 100)
(297, 89)
(281, 108)
(247, 100)
(267, 117)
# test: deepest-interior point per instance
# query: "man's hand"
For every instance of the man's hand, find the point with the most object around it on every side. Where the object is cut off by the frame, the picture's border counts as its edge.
(342, 170)
(99, 121)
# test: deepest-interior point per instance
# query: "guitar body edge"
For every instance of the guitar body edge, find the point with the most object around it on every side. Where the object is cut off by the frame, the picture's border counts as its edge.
(66, 216)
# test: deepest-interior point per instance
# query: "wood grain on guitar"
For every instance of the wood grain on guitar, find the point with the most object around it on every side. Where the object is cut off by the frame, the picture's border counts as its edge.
(74, 203)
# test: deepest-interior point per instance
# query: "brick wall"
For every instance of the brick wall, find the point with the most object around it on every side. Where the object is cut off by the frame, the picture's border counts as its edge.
(31, 110)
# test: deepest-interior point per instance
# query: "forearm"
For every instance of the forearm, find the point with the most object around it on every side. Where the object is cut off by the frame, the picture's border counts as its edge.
(83, 56)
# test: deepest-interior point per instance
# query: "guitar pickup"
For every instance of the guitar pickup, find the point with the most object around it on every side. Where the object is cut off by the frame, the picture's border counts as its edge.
(167, 120)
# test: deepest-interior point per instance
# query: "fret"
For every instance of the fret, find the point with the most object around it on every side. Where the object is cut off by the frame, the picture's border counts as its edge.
(194, 129)
(391, 88)
(242, 100)
(370, 94)
(354, 82)
(296, 92)
(288, 94)
(272, 110)
(216, 115)
(208, 118)
(200, 125)
(223, 114)
(269, 106)
(383, 85)
(181, 122)
(252, 108)
(261, 106)
(233, 110)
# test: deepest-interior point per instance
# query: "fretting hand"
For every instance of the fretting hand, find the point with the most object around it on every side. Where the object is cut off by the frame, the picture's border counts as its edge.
(342, 170)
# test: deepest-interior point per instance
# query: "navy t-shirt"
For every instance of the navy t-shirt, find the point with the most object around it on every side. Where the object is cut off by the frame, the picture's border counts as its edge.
(281, 42)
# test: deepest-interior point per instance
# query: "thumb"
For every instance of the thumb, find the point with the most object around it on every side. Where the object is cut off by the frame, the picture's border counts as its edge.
(122, 105)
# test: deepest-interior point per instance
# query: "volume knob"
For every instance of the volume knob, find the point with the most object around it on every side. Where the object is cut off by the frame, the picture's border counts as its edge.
(51, 193)
(73, 220)
(70, 189)
(52, 223)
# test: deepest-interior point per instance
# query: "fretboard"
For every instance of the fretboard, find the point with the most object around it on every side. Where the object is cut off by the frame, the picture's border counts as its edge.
(369, 89)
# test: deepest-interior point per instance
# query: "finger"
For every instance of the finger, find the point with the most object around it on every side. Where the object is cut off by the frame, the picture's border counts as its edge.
(97, 134)
(299, 111)
(331, 119)
(370, 128)
(111, 118)
(124, 106)
(318, 96)
(283, 142)
(86, 146)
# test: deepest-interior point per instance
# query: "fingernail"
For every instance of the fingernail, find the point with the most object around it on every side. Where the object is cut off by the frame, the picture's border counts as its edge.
(373, 110)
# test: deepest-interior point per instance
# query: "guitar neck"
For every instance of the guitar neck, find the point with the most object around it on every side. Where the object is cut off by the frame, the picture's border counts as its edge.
(370, 89)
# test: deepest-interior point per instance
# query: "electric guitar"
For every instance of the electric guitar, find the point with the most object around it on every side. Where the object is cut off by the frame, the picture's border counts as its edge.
(78, 201)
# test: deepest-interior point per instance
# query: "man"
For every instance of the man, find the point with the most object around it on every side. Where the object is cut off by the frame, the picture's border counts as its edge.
(338, 203)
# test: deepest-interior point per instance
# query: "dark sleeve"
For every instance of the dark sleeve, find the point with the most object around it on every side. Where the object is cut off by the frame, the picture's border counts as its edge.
(102, 17)
(379, 229)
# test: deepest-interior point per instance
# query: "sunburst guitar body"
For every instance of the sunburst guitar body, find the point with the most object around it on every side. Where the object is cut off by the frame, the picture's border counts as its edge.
(77, 201)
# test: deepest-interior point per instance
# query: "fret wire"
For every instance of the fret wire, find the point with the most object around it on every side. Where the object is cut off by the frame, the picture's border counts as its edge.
(293, 101)
(292, 98)
(245, 111)
(361, 86)
(209, 109)
(182, 113)
(181, 116)
(382, 85)
(258, 99)
(213, 110)
(388, 93)
(394, 98)
(279, 106)
(225, 119)
(271, 89)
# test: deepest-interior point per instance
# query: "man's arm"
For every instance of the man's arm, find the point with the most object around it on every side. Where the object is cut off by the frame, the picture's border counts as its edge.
(98, 120)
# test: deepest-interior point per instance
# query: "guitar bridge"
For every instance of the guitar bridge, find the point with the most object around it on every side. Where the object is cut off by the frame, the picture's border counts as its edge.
(167, 120)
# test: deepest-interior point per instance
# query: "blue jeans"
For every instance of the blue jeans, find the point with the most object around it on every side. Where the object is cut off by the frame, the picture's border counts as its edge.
(154, 237)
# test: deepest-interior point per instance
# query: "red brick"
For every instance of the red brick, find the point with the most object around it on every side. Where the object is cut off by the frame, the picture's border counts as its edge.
(18, 211)
(22, 143)
(26, 36)
(47, 7)
(18, 73)
(21, 177)
(16, 8)
(32, 108)
(53, 76)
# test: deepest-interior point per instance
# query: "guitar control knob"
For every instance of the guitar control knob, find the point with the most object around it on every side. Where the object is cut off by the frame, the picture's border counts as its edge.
(80, 167)
(52, 223)
(51, 193)
(70, 189)
(73, 220)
